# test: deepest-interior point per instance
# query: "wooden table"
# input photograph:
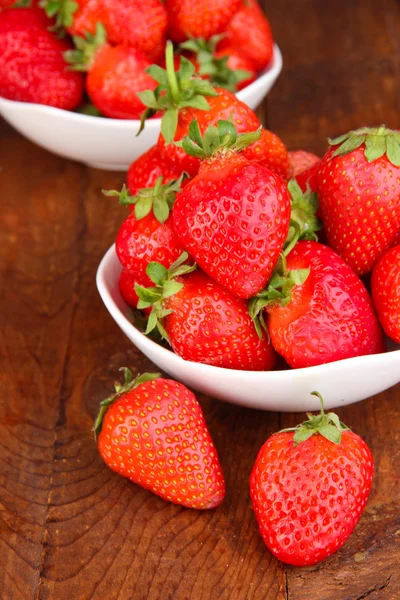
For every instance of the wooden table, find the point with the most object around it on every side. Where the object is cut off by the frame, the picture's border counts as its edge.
(70, 529)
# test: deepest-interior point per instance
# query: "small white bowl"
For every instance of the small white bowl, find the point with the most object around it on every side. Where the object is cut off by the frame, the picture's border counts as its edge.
(340, 383)
(106, 143)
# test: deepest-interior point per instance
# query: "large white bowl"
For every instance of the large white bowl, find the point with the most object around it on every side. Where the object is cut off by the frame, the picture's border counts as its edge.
(342, 382)
(106, 143)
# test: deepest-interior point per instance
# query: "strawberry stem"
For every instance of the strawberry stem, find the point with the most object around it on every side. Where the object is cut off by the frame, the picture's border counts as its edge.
(169, 63)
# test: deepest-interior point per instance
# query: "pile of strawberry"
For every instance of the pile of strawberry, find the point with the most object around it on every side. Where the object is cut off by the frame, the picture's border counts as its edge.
(47, 46)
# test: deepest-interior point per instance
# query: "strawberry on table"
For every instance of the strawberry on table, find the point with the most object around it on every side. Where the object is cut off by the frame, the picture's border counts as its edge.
(233, 216)
(318, 310)
(309, 486)
(198, 18)
(32, 66)
(359, 194)
(202, 321)
(385, 289)
(153, 431)
(249, 30)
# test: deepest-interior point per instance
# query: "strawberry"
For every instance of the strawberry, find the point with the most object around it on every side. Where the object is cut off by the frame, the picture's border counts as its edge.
(126, 283)
(147, 169)
(153, 431)
(77, 17)
(309, 486)
(271, 152)
(323, 314)
(301, 160)
(385, 289)
(181, 97)
(233, 216)
(199, 18)
(201, 320)
(147, 234)
(226, 68)
(115, 74)
(32, 67)
(250, 31)
(359, 195)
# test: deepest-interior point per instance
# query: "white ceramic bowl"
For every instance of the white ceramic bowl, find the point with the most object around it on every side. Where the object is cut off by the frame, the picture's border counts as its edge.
(340, 383)
(106, 143)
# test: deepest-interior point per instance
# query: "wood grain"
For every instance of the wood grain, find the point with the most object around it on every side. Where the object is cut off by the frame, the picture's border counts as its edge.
(70, 529)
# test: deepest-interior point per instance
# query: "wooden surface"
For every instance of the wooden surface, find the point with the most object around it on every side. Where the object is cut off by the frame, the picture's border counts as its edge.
(70, 529)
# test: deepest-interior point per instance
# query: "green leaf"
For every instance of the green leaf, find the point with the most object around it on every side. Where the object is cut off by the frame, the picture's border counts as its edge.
(198, 102)
(352, 143)
(149, 295)
(149, 99)
(195, 133)
(157, 272)
(142, 207)
(393, 149)
(169, 123)
(186, 70)
(170, 288)
(299, 276)
(302, 435)
(375, 147)
(338, 140)
(158, 74)
(160, 209)
(152, 322)
(331, 433)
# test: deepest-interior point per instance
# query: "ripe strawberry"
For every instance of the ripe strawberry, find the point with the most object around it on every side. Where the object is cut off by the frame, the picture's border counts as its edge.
(385, 288)
(309, 486)
(126, 283)
(202, 321)
(271, 152)
(309, 177)
(199, 18)
(233, 217)
(78, 17)
(359, 195)
(250, 31)
(226, 68)
(327, 316)
(145, 170)
(153, 432)
(301, 160)
(180, 96)
(147, 234)
(32, 67)
(115, 75)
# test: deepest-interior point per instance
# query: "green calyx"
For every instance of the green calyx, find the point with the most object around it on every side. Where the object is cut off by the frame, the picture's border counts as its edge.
(379, 141)
(61, 10)
(303, 220)
(216, 69)
(165, 287)
(216, 139)
(160, 198)
(327, 425)
(175, 91)
(81, 58)
(278, 291)
(120, 389)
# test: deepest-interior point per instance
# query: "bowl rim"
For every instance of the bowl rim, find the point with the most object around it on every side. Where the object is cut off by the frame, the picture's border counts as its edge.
(276, 375)
(272, 70)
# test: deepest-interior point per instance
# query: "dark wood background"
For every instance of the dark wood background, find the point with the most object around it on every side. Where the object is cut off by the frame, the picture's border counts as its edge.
(70, 529)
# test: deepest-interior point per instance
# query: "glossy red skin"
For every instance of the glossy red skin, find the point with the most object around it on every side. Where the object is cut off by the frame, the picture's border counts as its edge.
(198, 18)
(86, 16)
(210, 325)
(360, 206)
(233, 219)
(157, 428)
(115, 77)
(142, 241)
(330, 317)
(308, 499)
(237, 60)
(385, 289)
(145, 170)
(396, 239)
(126, 283)
(249, 30)
(222, 107)
(309, 178)
(32, 66)
(271, 152)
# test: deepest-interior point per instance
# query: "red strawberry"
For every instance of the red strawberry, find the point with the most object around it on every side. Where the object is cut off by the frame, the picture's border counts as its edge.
(115, 75)
(32, 66)
(202, 321)
(396, 239)
(199, 18)
(127, 282)
(359, 195)
(309, 487)
(237, 62)
(301, 160)
(271, 152)
(153, 432)
(385, 288)
(147, 234)
(233, 217)
(78, 17)
(250, 31)
(181, 97)
(145, 170)
(327, 317)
